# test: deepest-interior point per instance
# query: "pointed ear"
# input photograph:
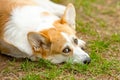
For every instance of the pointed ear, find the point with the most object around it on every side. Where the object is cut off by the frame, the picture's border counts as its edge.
(38, 41)
(70, 15)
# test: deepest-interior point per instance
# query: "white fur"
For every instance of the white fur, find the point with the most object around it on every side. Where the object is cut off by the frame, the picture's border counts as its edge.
(59, 58)
(24, 20)
(57, 9)
(78, 54)
(81, 43)
(70, 16)
(31, 19)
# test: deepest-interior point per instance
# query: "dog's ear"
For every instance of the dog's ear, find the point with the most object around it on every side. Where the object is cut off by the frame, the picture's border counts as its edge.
(69, 15)
(38, 41)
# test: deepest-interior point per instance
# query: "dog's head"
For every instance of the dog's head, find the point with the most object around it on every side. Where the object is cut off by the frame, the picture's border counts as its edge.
(59, 44)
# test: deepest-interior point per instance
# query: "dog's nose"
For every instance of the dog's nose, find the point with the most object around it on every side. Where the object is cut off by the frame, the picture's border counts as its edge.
(87, 60)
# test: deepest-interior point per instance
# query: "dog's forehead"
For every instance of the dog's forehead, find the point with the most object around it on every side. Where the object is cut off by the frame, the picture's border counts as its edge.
(56, 36)
(61, 37)
(57, 40)
(63, 27)
(68, 37)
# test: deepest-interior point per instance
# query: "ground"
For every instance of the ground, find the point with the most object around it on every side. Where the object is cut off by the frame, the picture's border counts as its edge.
(98, 23)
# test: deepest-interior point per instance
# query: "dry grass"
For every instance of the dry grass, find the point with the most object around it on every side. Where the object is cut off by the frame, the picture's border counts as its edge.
(98, 23)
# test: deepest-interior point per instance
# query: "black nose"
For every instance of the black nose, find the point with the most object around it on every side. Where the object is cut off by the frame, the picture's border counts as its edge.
(87, 61)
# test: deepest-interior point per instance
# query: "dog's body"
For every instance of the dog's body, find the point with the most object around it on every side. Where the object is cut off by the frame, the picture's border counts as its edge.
(39, 29)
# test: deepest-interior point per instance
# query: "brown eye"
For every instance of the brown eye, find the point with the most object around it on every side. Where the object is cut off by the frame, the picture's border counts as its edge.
(66, 50)
(76, 41)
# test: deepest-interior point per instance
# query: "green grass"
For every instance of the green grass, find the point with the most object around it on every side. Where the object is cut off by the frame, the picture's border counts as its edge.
(98, 66)
(85, 28)
(102, 39)
(32, 77)
(115, 37)
(97, 47)
(27, 65)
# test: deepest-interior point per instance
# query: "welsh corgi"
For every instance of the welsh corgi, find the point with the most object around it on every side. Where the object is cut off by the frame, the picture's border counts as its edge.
(37, 29)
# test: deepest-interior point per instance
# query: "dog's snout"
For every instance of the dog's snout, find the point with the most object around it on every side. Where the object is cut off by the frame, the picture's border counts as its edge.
(87, 60)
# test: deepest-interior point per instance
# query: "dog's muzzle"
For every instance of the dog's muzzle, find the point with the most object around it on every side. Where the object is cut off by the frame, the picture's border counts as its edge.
(87, 60)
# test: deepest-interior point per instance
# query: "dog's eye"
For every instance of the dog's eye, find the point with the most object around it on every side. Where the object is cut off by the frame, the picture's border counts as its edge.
(66, 50)
(76, 41)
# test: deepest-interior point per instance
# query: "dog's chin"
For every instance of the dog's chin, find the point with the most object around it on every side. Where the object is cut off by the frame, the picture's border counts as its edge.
(58, 59)
(62, 60)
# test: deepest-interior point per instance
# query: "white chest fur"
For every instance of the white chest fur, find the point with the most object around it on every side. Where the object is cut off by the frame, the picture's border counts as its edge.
(24, 20)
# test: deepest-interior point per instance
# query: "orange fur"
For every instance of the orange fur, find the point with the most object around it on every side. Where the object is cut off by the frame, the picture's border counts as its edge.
(53, 34)
(63, 27)
(45, 14)
(6, 6)
(57, 40)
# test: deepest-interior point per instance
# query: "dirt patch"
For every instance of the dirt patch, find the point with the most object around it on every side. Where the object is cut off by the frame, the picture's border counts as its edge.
(3, 61)
(109, 14)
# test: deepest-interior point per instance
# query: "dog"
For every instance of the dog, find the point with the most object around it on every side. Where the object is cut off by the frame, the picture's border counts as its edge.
(37, 29)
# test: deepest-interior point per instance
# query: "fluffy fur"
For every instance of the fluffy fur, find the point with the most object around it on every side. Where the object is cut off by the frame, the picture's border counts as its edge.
(40, 29)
